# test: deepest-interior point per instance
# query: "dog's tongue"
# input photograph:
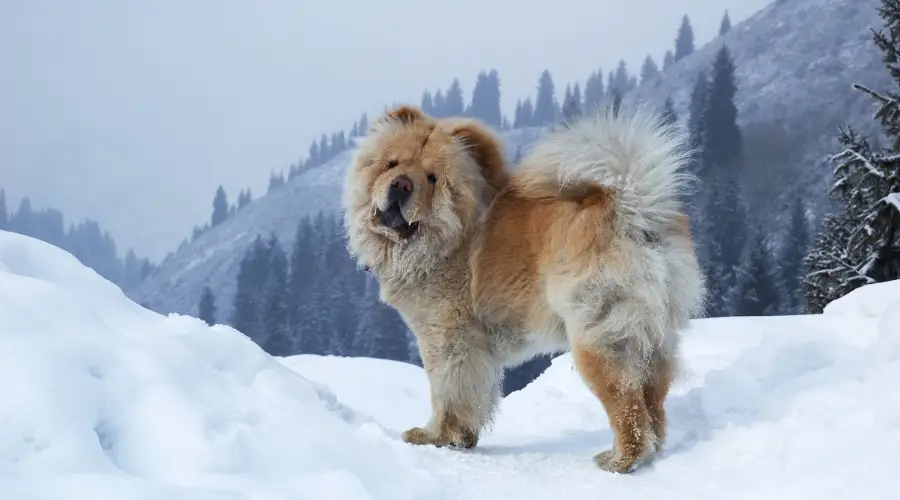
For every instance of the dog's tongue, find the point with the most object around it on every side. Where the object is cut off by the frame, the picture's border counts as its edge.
(393, 217)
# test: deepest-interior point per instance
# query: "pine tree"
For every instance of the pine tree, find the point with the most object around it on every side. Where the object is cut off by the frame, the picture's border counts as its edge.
(576, 99)
(571, 109)
(493, 115)
(207, 307)
(339, 143)
(725, 235)
(274, 298)
(454, 104)
(324, 148)
(248, 310)
(485, 103)
(364, 338)
(363, 124)
(649, 70)
(616, 103)
(381, 332)
(220, 207)
(21, 221)
(4, 216)
(440, 106)
(302, 290)
(354, 131)
(244, 198)
(621, 82)
(567, 98)
(684, 42)
(830, 270)
(342, 291)
(632, 83)
(668, 112)
(725, 27)
(314, 158)
(275, 182)
(517, 115)
(527, 113)
(147, 269)
(699, 97)
(668, 60)
(427, 104)
(593, 92)
(795, 247)
(545, 106)
(722, 141)
(757, 292)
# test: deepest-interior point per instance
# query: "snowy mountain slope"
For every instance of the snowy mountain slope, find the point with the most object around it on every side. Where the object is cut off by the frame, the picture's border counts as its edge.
(796, 60)
(106, 400)
(214, 258)
(795, 63)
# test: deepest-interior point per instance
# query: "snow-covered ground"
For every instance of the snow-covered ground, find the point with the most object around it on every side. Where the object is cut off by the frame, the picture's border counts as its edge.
(102, 399)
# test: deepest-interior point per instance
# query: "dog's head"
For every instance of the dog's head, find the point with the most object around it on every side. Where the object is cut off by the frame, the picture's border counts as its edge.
(417, 187)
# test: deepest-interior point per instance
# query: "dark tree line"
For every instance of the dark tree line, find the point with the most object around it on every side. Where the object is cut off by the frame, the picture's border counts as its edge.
(860, 243)
(87, 241)
(750, 271)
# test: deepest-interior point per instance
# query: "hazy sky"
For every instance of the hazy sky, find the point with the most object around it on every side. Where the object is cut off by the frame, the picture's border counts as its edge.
(132, 113)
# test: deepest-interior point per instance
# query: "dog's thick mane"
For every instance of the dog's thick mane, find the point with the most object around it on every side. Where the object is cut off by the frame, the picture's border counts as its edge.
(479, 171)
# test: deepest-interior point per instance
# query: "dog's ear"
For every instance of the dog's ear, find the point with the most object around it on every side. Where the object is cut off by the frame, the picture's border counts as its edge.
(406, 114)
(485, 149)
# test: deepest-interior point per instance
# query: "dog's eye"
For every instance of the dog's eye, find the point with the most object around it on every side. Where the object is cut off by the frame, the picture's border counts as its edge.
(392, 164)
(432, 178)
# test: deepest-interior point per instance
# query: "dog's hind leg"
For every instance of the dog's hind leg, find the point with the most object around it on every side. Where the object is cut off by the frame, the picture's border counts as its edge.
(655, 390)
(623, 398)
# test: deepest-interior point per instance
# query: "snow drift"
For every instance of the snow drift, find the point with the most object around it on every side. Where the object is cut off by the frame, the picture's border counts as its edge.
(104, 399)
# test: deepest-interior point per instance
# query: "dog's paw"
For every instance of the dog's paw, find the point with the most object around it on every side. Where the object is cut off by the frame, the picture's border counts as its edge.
(610, 462)
(462, 439)
(418, 436)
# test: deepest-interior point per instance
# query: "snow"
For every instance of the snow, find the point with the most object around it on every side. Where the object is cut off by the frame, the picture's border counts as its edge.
(893, 199)
(103, 399)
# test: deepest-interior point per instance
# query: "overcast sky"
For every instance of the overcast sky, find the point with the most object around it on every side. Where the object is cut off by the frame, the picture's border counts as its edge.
(132, 113)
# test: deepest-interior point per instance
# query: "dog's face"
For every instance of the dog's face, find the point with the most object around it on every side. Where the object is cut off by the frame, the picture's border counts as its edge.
(416, 188)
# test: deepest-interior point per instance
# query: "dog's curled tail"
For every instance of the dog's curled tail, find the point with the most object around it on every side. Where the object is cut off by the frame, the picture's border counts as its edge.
(634, 153)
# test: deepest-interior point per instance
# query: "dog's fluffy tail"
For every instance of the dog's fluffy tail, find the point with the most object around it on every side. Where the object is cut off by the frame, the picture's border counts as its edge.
(634, 153)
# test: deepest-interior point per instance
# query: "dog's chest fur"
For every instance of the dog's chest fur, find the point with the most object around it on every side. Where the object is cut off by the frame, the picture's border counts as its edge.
(439, 299)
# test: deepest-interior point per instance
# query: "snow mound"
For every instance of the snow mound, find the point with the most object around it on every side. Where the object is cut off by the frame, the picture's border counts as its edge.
(103, 399)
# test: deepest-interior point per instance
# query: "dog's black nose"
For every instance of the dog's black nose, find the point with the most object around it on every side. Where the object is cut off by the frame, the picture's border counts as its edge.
(401, 189)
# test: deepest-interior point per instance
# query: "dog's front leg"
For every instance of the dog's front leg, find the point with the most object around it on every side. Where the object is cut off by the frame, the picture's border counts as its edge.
(465, 388)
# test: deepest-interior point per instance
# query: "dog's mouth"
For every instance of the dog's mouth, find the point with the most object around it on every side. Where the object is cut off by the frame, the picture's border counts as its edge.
(393, 218)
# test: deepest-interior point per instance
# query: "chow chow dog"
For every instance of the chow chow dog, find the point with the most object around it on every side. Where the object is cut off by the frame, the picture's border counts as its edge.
(584, 247)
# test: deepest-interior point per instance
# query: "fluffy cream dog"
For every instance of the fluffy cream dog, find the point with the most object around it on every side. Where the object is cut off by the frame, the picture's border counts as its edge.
(585, 248)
